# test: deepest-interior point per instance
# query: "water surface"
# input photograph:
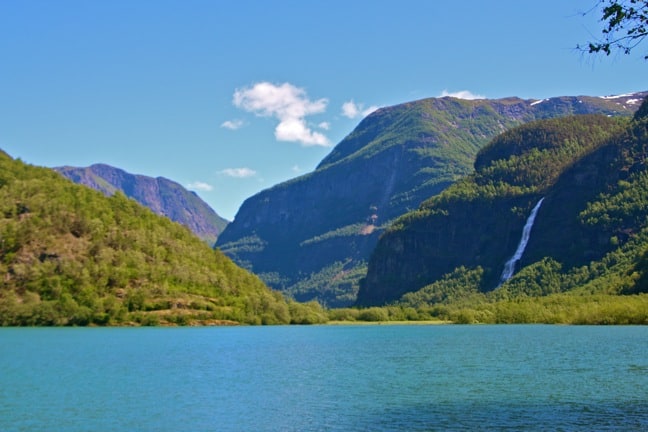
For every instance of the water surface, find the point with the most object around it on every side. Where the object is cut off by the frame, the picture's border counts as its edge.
(324, 378)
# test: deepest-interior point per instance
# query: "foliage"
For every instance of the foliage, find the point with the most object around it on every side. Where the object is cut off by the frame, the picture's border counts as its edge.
(626, 26)
(460, 285)
(560, 308)
(538, 279)
(71, 256)
(161, 195)
(346, 231)
(524, 160)
(589, 236)
(621, 210)
(394, 160)
(544, 293)
(532, 156)
(335, 285)
(307, 313)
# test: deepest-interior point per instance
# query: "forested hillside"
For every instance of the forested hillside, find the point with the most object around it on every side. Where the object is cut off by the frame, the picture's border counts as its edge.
(311, 237)
(71, 256)
(590, 236)
(163, 196)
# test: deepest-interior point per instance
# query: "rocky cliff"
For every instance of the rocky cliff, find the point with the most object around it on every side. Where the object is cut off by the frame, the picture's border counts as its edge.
(591, 172)
(163, 196)
(311, 236)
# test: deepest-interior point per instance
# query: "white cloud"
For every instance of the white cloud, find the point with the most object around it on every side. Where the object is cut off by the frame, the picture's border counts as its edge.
(352, 110)
(238, 172)
(201, 186)
(327, 125)
(288, 104)
(295, 129)
(296, 168)
(463, 94)
(232, 124)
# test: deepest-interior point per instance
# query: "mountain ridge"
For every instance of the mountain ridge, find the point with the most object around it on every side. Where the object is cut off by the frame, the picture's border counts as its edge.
(165, 197)
(69, 255)
(591, 227)
(312, 236)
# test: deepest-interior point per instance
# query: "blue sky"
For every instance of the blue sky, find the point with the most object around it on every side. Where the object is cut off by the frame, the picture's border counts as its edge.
(231, 97)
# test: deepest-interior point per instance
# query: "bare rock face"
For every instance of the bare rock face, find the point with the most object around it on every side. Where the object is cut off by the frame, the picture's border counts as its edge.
(163, 196)
(590, 173)
(312, 236)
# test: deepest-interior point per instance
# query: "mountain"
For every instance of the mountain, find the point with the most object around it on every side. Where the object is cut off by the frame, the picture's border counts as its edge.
(163, 196)
(586, 177)
(69, 255)
(312, 236)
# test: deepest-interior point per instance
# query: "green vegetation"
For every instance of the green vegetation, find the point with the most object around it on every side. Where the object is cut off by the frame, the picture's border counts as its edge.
(531, 157)
(71, 256)
(346, 231)
(594, 170)
(622, 209)
(335, 285)
(397, 158)
(613, 290)
(161, 195)
(590, 237)
(555, 309)
(528, 159)
(626, 26)
(599, 309)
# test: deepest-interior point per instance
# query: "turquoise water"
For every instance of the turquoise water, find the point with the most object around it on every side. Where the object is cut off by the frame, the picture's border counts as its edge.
(324, 378)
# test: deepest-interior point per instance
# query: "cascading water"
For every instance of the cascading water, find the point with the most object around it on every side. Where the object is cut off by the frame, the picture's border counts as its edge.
(509, 267)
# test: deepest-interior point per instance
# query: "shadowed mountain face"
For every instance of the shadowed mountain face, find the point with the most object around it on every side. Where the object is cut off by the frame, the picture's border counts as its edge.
(312, 236)
(163, 196)
(590, 232)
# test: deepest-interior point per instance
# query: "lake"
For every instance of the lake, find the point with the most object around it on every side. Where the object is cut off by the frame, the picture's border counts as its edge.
(324, 378)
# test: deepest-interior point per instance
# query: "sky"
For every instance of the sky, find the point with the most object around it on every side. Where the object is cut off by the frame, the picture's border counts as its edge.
(229, 98)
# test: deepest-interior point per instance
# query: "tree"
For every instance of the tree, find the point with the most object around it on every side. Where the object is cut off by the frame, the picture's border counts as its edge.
(626, 26)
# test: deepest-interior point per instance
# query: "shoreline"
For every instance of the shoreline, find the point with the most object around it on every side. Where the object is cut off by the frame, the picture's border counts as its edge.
(375, 323)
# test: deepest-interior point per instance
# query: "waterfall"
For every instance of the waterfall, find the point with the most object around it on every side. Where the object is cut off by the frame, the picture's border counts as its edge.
(509, 267)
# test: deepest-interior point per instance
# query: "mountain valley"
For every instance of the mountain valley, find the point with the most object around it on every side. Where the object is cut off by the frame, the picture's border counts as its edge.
(590, 235)
(311, 237)
(413, 216)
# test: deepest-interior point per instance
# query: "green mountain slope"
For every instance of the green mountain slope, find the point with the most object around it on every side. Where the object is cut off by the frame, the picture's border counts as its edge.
(163, 196)
(71, 256)
(312, 236)
(590, 233)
